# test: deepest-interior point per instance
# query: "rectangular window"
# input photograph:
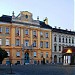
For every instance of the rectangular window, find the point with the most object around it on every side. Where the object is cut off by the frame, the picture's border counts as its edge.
(17, 42)
(34, 32)
(41, 34)
(55, 39)
(66, 39)
(7, 30)
(0, 29)
(26, 42)
(72, 40)
(34, 54)
(18, 54)
(34, 44)
(47, 44)
(46, 54)
(7, 42)
(18, 31)
(59, 38)
(46, 35)
(41, 44)
(59, 48)
(63, 39)
(26, 32)
(0, 41)
(69, 40)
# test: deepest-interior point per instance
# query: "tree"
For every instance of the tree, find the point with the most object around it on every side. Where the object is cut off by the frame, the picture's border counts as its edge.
(3, 54)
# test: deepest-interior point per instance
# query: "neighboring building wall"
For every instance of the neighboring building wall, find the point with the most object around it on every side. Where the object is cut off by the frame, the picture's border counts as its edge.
(60, 40)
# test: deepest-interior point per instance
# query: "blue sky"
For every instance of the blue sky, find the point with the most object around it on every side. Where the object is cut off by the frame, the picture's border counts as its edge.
(60, 13)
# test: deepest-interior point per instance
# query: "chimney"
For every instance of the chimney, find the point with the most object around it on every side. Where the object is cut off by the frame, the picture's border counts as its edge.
(46, 21)
(55, 27)
(58, 27)
(13, 16)
(37, 17)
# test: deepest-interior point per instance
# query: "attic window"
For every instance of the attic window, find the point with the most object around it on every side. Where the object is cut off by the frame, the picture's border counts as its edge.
(26, 16)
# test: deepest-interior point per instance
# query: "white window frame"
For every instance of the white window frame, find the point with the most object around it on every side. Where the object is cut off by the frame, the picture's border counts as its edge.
(7, 30)
(18, 54)
(26, 43)
(26, 32)
(34, 44)
(34, 54)
(46, 34)
(34, 33)
(17, 42)
(7, 42)
(41, 44)
(47, 44)
(18, 31)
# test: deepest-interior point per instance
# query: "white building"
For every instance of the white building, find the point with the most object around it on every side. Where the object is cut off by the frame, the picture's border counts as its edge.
(60, 39)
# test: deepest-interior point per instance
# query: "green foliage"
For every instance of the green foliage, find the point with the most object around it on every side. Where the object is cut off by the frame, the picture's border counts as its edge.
(3, 54)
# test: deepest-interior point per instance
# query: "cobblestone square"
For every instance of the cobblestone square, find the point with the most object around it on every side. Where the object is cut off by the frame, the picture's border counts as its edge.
(46, 69)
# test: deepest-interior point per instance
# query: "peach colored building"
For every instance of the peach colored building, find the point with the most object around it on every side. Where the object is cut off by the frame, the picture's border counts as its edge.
(26, 40)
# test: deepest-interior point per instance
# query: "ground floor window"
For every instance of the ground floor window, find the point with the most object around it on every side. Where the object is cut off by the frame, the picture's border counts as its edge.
(47, 61)
(35, 62)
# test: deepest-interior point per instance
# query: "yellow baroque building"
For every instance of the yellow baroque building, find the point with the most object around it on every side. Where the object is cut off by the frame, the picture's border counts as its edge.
(26, 41)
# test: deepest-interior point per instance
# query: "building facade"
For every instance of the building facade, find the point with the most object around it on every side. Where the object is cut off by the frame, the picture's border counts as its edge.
(61, 38)
(26, 41)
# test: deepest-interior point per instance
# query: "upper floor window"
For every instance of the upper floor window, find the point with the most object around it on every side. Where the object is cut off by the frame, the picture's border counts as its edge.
(26, 16)
(34, 44)
(41, 34)
(72, 40)
(26, 43)
(59, 38)
(18, 54)
(46, 35)
(0, 41)
(17, 42)
(55, 48)
(41, 44)
(7, 42)
(47, 44)
(26, 32)
(66, 39)
(69, 40)
(34, 32)
(63, 39)
(55, 39)
(7, 30)
(0, 29)
(59, 48)
(18, 31)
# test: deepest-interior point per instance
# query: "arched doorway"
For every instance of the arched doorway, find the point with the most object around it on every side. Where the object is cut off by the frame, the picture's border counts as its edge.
(55, 58)
(26, 57)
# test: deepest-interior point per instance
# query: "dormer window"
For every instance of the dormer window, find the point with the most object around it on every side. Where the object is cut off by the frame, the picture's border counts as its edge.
(26, 16)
